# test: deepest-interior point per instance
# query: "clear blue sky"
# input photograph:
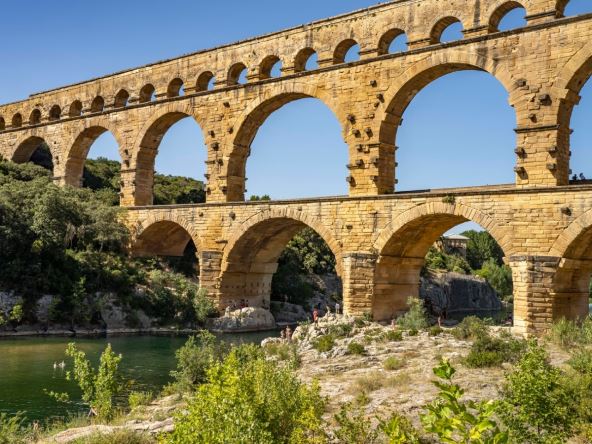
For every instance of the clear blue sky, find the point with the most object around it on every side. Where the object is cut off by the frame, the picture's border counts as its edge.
(63, 41)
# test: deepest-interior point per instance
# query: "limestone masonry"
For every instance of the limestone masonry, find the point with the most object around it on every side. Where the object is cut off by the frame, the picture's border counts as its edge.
(379, 237)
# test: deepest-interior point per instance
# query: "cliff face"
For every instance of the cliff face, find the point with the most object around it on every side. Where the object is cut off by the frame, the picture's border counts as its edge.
(458, 292)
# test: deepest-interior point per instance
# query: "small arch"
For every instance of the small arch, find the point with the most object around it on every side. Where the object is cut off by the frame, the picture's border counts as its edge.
(147, 93)
(501, 13)
(121, 99)
(17, 120)
(205, 81)
(161, 237)
(75, 109)
(33, 149)
(97, 105)
(55, 113)
(35, 117)
(441, 27)
(268, 67)
(175, 88)
(343, 52)
(566, 8)
(2, 124)
(236, 74)
(301, 62)
(388, 39)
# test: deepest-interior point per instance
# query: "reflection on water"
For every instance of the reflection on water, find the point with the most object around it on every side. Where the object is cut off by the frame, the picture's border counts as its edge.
(27, 368)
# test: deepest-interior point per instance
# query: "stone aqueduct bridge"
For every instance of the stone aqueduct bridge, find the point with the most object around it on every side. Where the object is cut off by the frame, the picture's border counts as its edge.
(379, 237)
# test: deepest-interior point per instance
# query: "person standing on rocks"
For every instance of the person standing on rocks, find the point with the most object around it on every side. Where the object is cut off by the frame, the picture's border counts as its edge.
(337, 308)
(288, 334)
(315, 315)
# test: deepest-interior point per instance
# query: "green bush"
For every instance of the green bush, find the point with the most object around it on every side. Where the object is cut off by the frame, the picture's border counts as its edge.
(354, 427)
(488, 351)
(393, 336)
(324, 343)
(392, 363)
(139, 399)
(435, 330)
(355, 348)
(535, 406)
(568, 334)
(399, 430)
(12, 429)
(581, 361)
(119, 437)
(499, 277)
(284, 352)
(415, 318)
(471, 327)
(339, 331)
(248, 399)
(413, 332)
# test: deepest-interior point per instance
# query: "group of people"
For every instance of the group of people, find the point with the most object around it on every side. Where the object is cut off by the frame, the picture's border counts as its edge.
(317, 310)
(286, 334)
(236, 305)
(575, 177)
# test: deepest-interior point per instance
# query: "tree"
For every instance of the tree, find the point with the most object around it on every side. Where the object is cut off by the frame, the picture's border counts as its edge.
(481, 248)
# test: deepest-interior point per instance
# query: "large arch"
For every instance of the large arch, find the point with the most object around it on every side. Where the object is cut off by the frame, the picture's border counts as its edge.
(251, 256)
(147, 144)
(406, 86)
(252, 118)
(26, 148)
(402, 247)
(164, 235)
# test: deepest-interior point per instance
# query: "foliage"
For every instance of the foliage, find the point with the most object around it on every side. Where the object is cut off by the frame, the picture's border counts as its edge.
(324, 343)
(437, 260)
(198, 354)
(435, 330)
(138, 399)
(457, 421)
(488, 351)
(581, 361)
(355, 348)
(415, 318)
(392, 363)
(535, 405)
(393, 336)
(99, 386)
(567, 333)
(342, 330)
(248, 399)
(284, 352)
(255, 198)
(122, 436)
(399, 430)
(481, 248)
(499, 277)
(12, 428)
(354, 427)
(471, 327)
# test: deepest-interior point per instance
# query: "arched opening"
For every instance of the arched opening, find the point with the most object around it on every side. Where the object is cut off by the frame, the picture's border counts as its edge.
(17, 120)
(172, 244)
(393, 41)
(346, 51)
(2, 124)
(306, 60)
(237, 75)
(457, 269)
(469, 142)
(97, 105)
(75, 109)
(55, 113)
(271, 66)
(273, 264)
(446, 30)
(568, 8)
(289, 160)
(205, 82)
(164, 179)
(580, 161)
(510, 15)
(147, 94)
(121, 99)
(35, 117)
(35, 150)
(175, 88)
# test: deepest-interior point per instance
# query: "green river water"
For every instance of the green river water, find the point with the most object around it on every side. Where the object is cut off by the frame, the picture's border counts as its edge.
(26, 369)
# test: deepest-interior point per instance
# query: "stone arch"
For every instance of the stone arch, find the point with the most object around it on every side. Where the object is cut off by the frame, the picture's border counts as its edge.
(266, 66)
(146, 93)
(405, 87)
(55, 113)
(121, 99)
(404, 243)
(148, 141)
(26, 147)
(341, 50)
(164, 234)
(500, 11)
(97, 105)
(35, 117)
(79, 146)
(439, 28)
(174, 88)
(302, 58)
(253, 117)
(75, 109)
(234, 73)
(2, 124)
(203, 81)
(17, 120)
(252, 252)
(387, 38)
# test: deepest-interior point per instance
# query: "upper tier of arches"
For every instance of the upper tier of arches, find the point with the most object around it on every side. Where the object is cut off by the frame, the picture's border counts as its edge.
(123, 90)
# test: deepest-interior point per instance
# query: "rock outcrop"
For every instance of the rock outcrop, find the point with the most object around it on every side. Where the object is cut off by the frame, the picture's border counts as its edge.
(243, 320)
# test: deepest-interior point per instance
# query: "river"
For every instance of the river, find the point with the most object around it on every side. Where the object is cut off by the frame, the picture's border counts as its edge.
(27, 369)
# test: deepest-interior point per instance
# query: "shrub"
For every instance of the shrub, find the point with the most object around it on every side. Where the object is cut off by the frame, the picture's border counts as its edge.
(413, 332)
(490, 352)
(399, 430)
(355, 348)
(435, 330)
(499, 277)
(567, 334)
(138, 399)
(193, 360)
(324, 343)
(99, 387)
(248, 399)
(340, 330)
(354, 427)
(392, 363)
(535, 406)
(470, 327)
(581, 361)
(393, 335)
(12, 429)
(284, 352)
(415, 318)
(122, 436)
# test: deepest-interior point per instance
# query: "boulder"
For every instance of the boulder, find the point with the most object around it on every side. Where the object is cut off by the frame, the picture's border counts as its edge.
(284, 312)
(243, 320)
